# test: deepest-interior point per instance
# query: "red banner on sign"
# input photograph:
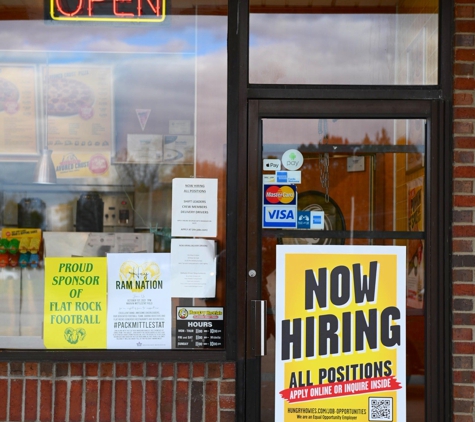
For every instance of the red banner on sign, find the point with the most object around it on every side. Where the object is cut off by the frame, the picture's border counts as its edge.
(338, 389)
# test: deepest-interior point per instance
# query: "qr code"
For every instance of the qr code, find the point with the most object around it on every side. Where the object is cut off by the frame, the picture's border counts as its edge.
(380, 408)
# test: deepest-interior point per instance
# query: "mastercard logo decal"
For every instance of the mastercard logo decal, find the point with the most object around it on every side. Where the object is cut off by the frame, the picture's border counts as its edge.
(280, 195)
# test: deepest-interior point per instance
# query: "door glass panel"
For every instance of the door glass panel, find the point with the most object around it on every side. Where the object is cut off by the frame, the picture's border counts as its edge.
(368, 177)
(344, 42)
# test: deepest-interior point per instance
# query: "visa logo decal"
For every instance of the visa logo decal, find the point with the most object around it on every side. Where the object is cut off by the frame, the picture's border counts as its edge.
(280, 217)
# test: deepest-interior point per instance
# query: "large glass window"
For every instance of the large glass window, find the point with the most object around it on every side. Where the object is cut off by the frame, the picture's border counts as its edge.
(343, 42)
(109, 119)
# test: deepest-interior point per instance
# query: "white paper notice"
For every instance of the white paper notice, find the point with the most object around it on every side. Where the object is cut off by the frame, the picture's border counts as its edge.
(193, 271)
(195, 207)
(139, 309)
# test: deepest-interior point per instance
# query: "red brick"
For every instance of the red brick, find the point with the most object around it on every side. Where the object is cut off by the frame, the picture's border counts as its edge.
(136, 369)
(121, 401)
(198, 370)
(464, 40)
(463, 156)
(462, 362)
(463, 127)
(62, 370)
(151, 401)
(182, 400)
(463, 319)
(463, 348)
(166, 401)
(462, 334)
(464, 142)
(461, 82)
(464, 172)
(92, 369)
(46, 400)
(105, 406)
(121, 369)
(464, 113)
(227, 402)
(152, 369)
(464, 200)
(465, 26)
(463, 216)
(16, 368)
(196, 411)
(463, 231)
(107, 369)
(462, 418)
(464, 392)
(168, 370)
(227, 416)
(183, 370)
(136, 394)
(463, 289)
(31, 399)
(463, 186)
(3, 369)
(3, 399)
(463, 406)
(77, 369)
(463, 69)
(227, 387)
(16, 394)
(211, 402)
(60, 399)
(229, 370)
(462, 304)
(75, 401)
(462, 245)
(214, 370)
(462, 275)
(463, 377)
(464, 11)
(31, 369)
(91, 399)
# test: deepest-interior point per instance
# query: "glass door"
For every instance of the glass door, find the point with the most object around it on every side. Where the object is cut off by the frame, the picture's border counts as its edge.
(352, 177)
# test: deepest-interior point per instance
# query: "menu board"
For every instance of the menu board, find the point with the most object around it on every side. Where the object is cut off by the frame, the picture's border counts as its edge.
(79, 107)
(18, 132)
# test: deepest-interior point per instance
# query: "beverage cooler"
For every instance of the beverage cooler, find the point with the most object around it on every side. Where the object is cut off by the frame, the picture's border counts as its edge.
(78, 222)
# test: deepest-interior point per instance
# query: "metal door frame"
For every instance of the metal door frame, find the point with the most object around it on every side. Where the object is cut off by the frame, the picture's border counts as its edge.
(437, 305)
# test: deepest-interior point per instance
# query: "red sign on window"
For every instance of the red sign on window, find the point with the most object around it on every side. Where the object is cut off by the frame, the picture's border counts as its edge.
(108, 10)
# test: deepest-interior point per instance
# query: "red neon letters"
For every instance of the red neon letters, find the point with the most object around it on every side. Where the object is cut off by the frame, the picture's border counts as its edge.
(86, 8)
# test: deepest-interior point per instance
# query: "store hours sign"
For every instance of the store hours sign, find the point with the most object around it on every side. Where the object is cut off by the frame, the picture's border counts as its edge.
(340, 333)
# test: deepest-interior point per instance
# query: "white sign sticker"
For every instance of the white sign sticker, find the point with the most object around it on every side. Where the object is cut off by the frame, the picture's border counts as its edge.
(195, 207)
(271, 164)
(292, 159)
(139, 310)
(193, 268)
(286, 177)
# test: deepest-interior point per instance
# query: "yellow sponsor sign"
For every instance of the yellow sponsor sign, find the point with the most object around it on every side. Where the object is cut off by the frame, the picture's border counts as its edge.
(340, 333)
(75, 308)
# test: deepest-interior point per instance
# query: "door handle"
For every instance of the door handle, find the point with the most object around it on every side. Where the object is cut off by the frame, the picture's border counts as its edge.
(259, 327)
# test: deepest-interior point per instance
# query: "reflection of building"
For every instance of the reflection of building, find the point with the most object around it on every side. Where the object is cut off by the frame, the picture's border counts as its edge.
(363, 91)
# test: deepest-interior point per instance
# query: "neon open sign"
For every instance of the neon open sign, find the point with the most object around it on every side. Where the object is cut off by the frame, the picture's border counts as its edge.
(108, 10)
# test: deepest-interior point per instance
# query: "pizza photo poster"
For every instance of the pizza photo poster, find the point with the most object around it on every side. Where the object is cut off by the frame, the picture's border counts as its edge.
(18, 131)
(79, 109)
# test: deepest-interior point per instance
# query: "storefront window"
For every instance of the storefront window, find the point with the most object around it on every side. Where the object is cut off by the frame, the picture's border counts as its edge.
(112, 145)
(334, 43)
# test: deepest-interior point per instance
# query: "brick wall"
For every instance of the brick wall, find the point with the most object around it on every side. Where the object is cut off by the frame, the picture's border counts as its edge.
(463, 215)
(117, 391)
